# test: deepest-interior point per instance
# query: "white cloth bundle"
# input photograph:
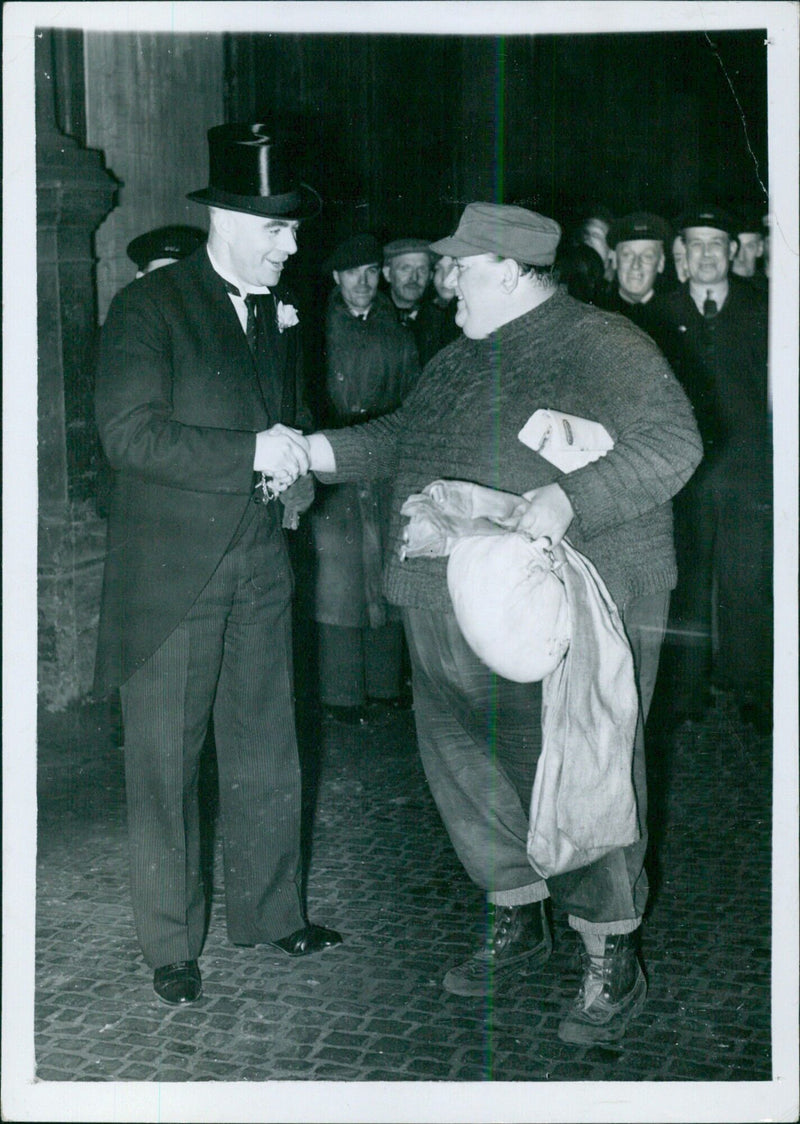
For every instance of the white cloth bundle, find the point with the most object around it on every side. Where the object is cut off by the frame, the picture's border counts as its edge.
(506, 594)
(567, 441)
(510, 604)
(446, 511)
(528, 614)
(583, 804)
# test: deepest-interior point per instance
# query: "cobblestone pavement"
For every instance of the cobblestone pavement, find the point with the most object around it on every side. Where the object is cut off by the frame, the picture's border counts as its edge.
(382, 871)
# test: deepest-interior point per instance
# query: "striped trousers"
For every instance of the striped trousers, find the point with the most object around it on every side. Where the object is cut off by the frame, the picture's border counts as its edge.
(231, 657)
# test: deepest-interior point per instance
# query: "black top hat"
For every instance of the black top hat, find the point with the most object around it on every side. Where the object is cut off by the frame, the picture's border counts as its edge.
(165, 242)
(250, 171)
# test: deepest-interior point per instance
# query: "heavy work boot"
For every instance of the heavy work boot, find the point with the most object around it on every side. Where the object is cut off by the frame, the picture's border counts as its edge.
(517, 934)
(612, 992)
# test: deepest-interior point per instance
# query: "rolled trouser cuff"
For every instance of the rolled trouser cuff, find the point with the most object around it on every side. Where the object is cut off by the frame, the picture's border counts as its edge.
(603, 928)
(520, 895)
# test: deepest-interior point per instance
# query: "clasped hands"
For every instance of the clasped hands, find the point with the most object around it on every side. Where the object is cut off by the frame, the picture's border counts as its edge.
(282, 454)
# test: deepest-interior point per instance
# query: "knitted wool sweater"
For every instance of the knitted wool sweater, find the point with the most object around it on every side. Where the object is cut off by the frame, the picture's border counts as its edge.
(462, 419)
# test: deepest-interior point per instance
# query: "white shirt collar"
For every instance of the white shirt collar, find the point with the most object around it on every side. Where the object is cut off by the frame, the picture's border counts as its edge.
(644, 300)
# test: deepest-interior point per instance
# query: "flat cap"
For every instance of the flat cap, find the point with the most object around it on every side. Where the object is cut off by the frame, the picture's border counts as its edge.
(361, 249)
(638, 226)
(713, 217)
(499, 228)
(165, 242)
(405, 246)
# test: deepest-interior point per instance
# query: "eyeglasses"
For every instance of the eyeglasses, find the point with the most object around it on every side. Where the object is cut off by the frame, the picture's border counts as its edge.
(647, 257)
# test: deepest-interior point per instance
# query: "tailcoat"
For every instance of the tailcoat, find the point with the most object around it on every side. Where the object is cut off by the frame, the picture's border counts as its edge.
(178, 403)
(195, 616)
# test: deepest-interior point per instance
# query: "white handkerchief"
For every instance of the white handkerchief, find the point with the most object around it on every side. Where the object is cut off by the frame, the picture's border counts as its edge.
(567, 441)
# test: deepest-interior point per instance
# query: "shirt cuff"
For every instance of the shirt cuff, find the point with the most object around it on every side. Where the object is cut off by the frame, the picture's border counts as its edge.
(258, 456)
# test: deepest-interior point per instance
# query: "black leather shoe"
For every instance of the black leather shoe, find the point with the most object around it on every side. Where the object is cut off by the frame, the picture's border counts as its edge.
(311, 938)
(178, 983)
(517, 934)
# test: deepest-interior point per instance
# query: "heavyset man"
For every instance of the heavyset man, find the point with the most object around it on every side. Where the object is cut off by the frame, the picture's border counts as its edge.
(526, 345)
(198, 397)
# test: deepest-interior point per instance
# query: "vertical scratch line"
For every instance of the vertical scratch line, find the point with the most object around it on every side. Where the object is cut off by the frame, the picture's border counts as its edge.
(715, 51)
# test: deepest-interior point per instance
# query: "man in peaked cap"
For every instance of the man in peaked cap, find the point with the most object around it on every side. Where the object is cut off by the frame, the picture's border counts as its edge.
(638, 242)
(526, 345)
(163, 246)
(200, 410)
(715, 335)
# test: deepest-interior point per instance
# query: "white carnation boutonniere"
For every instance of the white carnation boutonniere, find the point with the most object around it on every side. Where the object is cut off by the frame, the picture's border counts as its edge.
(287, 316)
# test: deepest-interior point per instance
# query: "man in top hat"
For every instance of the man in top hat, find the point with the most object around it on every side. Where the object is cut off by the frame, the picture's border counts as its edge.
(163, 246)
(200, 410)
(637, 244)
(528, 345)
(370, 366)
(715, 337)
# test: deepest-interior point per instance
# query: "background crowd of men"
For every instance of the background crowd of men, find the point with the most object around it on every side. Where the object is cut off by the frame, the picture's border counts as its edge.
(698, 286)
(431, 356)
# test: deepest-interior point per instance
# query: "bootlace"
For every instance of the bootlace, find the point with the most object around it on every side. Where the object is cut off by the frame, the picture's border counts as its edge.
(596, 978)
(501, 924)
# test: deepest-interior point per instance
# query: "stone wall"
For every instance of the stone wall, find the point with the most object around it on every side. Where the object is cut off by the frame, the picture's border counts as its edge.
(148, 101)
(71, 556)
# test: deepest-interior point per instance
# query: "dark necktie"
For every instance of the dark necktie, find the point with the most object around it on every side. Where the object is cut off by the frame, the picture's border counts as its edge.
(260, 308)
(256, 332)
(709, 306)
(253, 322)
(253, 325)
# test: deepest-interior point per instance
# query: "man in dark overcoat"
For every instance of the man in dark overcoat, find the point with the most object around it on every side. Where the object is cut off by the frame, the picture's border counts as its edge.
(200, 408)
(370, 366)
(714, 332)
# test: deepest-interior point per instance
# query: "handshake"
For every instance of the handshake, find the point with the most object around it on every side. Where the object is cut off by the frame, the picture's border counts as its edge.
(283, 455)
